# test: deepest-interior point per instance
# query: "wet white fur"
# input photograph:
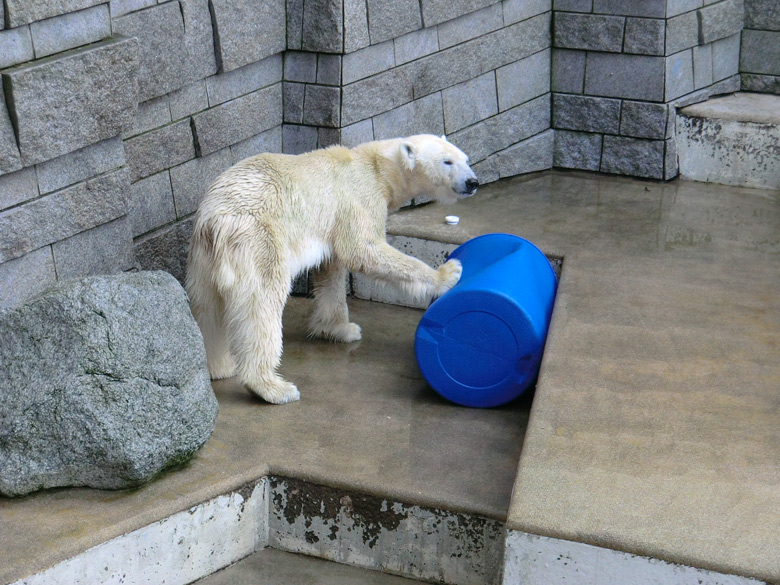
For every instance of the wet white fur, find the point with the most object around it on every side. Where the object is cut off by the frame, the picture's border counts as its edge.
(272, 216)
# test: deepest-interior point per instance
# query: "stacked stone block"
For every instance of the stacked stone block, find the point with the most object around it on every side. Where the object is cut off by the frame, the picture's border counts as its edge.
(620, 70)
(478, 72)
(760, 55)
(116, 116)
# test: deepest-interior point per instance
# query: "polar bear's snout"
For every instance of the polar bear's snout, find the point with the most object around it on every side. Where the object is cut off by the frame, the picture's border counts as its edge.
(467, 186)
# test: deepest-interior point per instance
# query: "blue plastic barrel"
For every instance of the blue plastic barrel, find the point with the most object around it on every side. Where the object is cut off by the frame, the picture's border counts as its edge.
(481, 343)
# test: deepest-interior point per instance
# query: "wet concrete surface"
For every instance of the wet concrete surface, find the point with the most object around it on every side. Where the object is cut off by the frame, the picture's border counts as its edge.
(366, 421)
(655, 426)
(273, 566)
(656, 423)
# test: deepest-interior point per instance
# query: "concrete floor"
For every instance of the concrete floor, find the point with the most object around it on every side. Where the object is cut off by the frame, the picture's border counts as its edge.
(280, 568)
(655, 426)
(366, 420)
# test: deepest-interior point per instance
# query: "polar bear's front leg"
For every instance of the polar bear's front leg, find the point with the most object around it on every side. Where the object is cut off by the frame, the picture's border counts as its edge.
(331, 315)
(411, 275)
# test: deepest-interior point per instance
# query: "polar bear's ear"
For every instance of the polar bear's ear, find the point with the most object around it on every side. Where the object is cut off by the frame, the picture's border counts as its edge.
(408, 154)
(444, 137)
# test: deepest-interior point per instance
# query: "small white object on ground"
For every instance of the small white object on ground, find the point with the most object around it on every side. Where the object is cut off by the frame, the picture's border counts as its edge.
(452, 219)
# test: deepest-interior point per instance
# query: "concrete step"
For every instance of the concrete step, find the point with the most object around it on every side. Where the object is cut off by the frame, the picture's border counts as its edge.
(732, 140)
(274, 567)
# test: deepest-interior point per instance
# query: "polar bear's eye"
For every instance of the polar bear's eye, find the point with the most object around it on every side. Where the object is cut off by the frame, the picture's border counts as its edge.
(447, 162)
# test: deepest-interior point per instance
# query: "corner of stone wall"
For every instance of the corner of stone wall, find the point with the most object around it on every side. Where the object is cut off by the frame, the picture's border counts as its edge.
(477, 72)
(620, 70)
(115, 118)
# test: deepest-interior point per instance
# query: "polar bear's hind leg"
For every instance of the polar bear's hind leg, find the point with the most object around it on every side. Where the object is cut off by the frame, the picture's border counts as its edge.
(254, 290)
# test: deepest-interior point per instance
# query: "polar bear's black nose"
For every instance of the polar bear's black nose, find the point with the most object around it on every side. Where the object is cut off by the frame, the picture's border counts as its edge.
(471, 185)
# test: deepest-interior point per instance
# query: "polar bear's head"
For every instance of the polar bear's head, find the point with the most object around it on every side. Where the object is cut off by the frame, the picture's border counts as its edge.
(438, 168)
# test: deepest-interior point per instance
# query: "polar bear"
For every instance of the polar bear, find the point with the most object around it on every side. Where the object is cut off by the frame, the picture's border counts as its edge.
(272, 216)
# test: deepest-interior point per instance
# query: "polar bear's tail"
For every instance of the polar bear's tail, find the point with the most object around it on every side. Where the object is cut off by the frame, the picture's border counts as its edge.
(238, 283)
(210, 272)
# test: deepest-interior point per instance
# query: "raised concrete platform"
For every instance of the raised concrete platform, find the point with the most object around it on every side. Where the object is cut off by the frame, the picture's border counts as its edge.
(732, 140)
(654, 428)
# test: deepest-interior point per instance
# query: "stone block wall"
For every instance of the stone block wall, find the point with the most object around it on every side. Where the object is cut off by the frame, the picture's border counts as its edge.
(621, 68)
(116, 116)
(760, 55)
(475, 70)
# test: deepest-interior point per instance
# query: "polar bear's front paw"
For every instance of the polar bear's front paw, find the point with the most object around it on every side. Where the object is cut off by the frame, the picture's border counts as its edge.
(349, 333)
(276, 390)
(344, 333)
(449, 275)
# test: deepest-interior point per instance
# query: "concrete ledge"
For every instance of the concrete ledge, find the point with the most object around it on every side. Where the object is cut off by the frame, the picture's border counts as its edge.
(732, 140)
(538, 560)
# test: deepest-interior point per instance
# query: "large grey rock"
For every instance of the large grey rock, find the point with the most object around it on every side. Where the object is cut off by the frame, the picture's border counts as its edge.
(247, 31)
(105, 384)
(78, 98)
